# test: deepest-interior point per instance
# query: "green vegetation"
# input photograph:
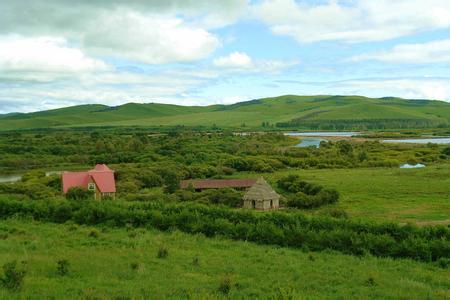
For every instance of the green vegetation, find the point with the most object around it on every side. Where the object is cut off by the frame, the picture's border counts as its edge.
(123, 263)
(365, 174)
(307, 112)
(401, 195)
(337, 234)
(291, 229)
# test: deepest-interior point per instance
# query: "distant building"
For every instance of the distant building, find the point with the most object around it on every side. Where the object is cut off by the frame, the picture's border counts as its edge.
(100, 180)
(261, 196)
(204, 184)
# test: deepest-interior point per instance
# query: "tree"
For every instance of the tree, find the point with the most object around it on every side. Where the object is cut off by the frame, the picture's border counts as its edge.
(171, 181)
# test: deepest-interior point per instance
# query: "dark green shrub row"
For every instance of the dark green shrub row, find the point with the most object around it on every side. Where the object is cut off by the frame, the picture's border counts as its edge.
(279, 228)
(302, 194)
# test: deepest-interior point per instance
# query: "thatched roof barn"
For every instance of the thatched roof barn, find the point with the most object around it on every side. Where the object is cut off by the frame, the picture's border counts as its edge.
(261, 196)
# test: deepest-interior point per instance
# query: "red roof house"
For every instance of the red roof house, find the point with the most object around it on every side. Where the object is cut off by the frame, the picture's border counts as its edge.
(99, 180)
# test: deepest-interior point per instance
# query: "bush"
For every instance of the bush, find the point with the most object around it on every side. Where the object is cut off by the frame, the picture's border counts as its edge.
(62, 267)
(225, 285)
(291, 229)
(444, 263)
(150, 179)
(134, 266)
(302, 194)
(94, 233)
(162, 252)
(13, 275)
(446, 151)
(335, 213)
(77, 193)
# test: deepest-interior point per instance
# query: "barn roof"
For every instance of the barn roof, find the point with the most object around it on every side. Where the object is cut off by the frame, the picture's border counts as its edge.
(217, 183)
(101, 175)
(261, 191)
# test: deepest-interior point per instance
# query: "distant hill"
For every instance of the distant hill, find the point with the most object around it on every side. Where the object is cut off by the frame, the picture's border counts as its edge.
(302, 112)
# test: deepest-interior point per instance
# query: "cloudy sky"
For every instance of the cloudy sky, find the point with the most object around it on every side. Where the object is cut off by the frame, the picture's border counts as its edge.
(55, 53)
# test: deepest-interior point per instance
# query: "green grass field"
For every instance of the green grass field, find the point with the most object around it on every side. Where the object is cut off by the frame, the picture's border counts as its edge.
(252, 113)
(385, 194)
(124, 264)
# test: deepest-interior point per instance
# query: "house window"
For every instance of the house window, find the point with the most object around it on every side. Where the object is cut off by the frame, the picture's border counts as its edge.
(91, 186)
(253, 203)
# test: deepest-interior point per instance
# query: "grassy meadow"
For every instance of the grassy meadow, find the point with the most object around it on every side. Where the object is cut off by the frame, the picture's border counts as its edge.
(386, 194)
(108, 263)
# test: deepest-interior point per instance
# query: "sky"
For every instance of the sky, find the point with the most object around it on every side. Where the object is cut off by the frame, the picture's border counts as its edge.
(57, 53)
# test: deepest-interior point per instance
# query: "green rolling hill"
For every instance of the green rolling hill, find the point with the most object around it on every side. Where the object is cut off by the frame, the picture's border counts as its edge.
(303, 112)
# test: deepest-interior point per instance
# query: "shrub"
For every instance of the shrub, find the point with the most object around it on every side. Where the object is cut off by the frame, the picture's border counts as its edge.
(302, 194)
(62, 213)
(335, 213)
(13, 275)
(62, 267)
(150, 179)
(77, 193)
(446, 151)
(196, 261)
(162, 252)
(291, 229)
(94, 233)
(444, 263)
(134, 266)
(225, 285)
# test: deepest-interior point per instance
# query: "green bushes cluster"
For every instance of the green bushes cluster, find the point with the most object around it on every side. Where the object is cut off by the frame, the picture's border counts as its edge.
(302, 194)
(13, 275)
(227, 196)
(77, 193)
(278, 228)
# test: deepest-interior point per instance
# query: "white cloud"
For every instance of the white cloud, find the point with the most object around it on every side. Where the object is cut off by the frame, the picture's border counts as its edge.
(44, 54)
(148, 38)
(410, 88)
(353, 21)
(436, 51)
(240, 61)
(153, 32)
(237, 60)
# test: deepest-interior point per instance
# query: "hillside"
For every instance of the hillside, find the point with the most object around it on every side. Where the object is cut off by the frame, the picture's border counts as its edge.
(308, 112)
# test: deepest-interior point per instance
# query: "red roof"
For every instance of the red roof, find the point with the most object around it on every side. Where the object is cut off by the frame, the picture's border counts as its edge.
(101, 175)
(218, 183)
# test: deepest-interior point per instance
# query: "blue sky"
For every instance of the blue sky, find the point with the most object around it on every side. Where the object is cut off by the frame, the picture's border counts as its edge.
(54, 54)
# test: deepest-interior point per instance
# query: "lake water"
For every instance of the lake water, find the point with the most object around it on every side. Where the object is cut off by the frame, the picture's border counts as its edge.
(310, 142)
(445, 140)
(324, 133)
(17, 177)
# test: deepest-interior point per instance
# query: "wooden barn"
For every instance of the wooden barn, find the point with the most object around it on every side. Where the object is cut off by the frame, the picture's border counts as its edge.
(100, 180)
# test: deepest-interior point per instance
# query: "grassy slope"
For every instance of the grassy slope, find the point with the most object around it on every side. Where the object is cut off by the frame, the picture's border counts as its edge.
(100, 268)
(385, 194)
(271, 110)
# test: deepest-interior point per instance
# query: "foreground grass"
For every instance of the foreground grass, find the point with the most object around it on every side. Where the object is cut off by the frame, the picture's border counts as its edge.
(386, 194)
(124, 264)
